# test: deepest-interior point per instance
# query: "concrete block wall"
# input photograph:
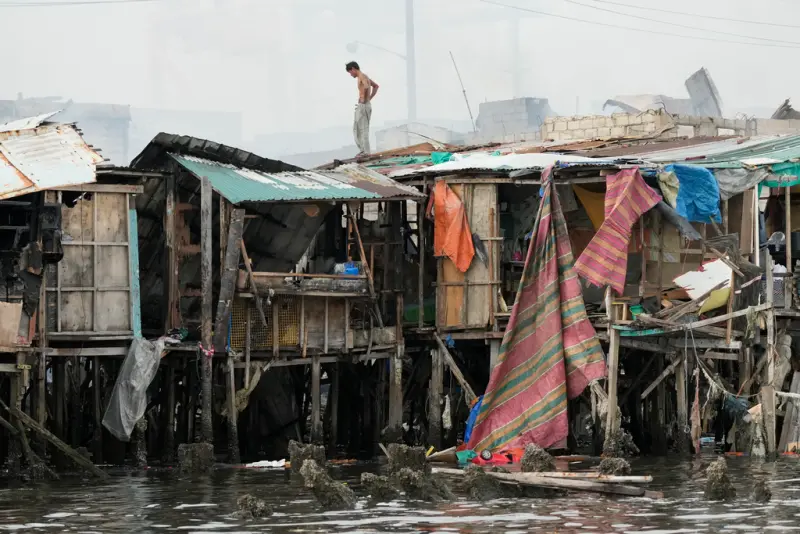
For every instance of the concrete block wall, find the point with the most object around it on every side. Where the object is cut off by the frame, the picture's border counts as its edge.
(604, 127)
(502, 118)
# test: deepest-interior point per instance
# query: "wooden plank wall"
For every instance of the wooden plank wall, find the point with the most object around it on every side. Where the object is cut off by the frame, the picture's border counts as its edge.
(470, 304)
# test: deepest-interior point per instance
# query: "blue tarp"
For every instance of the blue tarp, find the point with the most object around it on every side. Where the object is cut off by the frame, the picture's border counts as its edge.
(698, 195)
(473, 415)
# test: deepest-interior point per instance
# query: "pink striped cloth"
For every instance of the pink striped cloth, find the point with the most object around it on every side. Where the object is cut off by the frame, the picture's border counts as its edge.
(605, 260)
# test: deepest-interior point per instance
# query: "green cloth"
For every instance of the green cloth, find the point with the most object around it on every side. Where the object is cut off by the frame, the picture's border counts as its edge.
(441, 157)
(464, 457)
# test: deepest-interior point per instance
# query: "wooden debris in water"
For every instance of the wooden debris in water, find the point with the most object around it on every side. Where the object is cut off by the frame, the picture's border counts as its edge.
(537, 480)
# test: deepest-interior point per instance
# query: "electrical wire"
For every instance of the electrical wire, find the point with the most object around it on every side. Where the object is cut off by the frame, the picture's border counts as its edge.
(641, 30)
(70, 3)
(678, 25)
(697, 15)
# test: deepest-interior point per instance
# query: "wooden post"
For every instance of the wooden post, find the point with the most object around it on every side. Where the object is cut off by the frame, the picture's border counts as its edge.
(316, 401)
(768, 412)
(171, 275)
(98, 411)
(745, 370)
(228, 275)
(494, 354)
(233, 412)
(248, 326)
(421, 248)
(206, 274)
(169, 412)
(788, 282)
(41, 368)
(435, 399)
(395, 428)
(682, 412)
(756, 234)
(59, 396)
(612, 420)
(333, 399)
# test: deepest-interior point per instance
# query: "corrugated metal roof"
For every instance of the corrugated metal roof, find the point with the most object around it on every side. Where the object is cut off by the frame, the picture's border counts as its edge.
(44, 158)
(348, 182)
(730, 153)
(26, 123)
(506, 163)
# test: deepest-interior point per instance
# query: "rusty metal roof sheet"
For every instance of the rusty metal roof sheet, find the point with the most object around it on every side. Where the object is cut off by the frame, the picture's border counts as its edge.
(43, 158)
(26, 123)
(486, 162)
(348, 182)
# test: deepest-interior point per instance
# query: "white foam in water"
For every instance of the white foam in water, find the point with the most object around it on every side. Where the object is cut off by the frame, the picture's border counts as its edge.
(646, 514)
(573, 525)
(59, 515)
(408, 520)
(706, 517)
(678, 531)
(197, 505)
(152, 506)
(621, 525)
(209, 526)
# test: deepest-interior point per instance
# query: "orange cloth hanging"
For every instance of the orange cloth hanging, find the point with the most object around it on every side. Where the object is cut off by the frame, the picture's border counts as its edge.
(451, 235)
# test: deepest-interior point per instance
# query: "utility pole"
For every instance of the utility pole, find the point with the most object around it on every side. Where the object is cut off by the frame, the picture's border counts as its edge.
(411, 62)
(515, 63)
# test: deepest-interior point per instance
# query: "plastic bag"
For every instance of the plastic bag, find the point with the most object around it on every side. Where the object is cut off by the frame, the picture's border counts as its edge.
(129, 397)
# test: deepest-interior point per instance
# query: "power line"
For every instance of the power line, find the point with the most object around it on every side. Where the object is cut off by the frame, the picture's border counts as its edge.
(696, 15)
(679, 25)
(53, 3)
(641, 30)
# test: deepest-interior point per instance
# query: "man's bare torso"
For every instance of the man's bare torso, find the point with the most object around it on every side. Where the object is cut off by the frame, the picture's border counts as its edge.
(364, 88)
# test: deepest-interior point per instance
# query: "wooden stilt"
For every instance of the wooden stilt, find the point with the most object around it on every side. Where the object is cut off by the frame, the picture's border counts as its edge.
(316, 402)
(59, 396)
(169, 419)
(435, 399)
(233, 415)
(395, 427)
(682, 412)
(333, 399)
(98, 411)
(612, 418)
(206, 275)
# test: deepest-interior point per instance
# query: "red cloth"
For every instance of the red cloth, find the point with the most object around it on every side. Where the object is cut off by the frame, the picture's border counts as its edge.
(451, 235)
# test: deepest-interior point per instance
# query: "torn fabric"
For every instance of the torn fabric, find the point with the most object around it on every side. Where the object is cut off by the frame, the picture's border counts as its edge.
(605, 260)
(731, 182)
(550, 351)
(451, 236)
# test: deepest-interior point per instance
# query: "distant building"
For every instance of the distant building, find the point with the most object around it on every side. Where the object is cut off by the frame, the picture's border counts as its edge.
(414, 133)
(505, 120)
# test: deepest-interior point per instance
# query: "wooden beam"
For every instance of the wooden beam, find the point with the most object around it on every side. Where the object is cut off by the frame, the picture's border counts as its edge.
(57, 443)
(253, 288)
(469, 393)
(206, 276)
(536, 480)
(768, 413)
(233, 412)
(227, 285)
(664, 374)
(103, 188)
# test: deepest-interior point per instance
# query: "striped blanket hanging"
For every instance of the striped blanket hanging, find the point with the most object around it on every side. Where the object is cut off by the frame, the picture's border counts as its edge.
(605, 260)
(550, 351)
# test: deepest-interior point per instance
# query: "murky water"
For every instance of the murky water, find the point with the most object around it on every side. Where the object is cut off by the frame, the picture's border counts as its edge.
(166, 503)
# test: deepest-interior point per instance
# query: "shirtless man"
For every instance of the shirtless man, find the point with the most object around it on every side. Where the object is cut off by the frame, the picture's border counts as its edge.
(367, 89)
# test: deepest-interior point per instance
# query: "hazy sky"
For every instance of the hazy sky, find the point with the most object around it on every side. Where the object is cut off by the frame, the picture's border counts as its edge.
(281, 62)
